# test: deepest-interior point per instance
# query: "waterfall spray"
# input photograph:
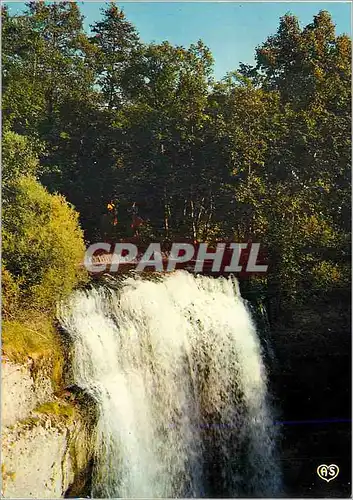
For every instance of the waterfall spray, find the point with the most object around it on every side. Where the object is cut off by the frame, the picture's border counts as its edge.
(175, 368)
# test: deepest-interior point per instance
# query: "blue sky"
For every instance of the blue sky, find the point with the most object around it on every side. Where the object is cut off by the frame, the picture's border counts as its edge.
(231, 30)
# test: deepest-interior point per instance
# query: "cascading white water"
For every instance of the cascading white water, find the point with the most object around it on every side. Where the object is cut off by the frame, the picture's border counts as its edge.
(175, 367)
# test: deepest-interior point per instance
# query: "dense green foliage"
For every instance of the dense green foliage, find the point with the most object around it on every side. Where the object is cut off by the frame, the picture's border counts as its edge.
(41, 240)
(42, 244)
(42, 248)
(263, 154)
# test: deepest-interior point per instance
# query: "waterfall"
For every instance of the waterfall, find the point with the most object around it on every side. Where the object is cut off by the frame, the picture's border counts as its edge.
(175, 367)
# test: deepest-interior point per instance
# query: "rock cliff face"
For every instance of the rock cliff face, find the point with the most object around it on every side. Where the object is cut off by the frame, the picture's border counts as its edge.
(21, 392)
(45, 454)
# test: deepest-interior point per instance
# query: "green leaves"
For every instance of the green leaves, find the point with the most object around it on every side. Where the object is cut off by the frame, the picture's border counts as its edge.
(20, 157)
(263, 154)
(42, 245)
(117, 45)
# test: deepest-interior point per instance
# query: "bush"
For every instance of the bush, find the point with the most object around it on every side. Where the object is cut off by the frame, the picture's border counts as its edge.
(10, 293)
(34, 336)
(42, 246)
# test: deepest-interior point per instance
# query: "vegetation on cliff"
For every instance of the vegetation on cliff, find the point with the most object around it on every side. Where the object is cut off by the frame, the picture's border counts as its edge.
(42, 247)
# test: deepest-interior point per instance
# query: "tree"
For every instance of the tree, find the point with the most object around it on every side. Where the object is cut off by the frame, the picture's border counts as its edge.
(164, 122)
(307, 166)
(117, 44)
(44, 59)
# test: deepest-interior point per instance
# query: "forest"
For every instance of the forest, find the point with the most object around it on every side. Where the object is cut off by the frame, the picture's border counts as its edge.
(98, 126)
(103, 118)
